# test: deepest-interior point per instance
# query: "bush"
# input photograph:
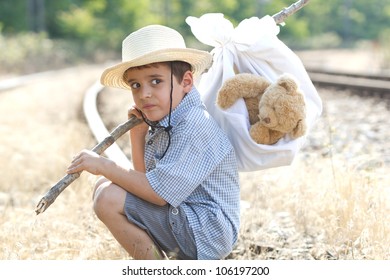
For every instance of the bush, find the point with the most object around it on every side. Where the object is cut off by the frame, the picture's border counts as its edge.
(31, 52)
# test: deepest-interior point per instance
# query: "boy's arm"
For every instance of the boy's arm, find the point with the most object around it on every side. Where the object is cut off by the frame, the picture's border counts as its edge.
(137, 142)
(132, 181)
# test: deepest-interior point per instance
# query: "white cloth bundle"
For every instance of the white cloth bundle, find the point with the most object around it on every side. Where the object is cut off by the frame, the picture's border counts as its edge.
(251, 47)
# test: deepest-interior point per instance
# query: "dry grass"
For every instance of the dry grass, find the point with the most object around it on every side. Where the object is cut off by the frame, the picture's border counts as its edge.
(323, 206)
(318, 209)
(41, 130)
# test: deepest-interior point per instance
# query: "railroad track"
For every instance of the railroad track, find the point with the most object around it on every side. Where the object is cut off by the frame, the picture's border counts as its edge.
(362, 83)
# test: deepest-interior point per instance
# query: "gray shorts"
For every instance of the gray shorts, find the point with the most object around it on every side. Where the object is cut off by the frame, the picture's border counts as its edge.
(167, 226)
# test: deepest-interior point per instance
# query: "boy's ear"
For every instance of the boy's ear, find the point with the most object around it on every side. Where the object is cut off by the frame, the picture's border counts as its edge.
(187, 81)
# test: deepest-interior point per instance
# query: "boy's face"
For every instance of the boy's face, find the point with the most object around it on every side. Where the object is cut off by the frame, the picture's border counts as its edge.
(151, 86)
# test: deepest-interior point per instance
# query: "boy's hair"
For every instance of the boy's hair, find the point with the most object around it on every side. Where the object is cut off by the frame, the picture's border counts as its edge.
(178, 68)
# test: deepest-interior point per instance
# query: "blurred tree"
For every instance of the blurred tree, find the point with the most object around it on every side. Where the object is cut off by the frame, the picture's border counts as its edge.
(351, 20)
(106, 22)
(36, 15)
(13, 16)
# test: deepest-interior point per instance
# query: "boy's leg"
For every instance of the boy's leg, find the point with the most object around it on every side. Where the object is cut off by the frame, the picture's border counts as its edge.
(109, 200)
(98, 183)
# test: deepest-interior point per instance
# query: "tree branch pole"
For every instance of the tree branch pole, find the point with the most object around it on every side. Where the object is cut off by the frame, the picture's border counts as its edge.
(55, 191)
(286, 12)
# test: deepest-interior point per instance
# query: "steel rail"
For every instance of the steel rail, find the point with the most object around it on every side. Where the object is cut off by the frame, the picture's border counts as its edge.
(357, 82)
(372, 76)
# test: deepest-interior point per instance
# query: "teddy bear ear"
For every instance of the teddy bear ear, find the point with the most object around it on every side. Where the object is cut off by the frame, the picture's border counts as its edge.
(288, 82)
(299, 130)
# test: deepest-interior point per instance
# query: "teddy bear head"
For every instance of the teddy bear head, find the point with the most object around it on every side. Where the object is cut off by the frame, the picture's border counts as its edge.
(282, 107)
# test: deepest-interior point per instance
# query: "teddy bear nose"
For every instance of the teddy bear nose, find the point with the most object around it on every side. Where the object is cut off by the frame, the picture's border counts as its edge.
(267, 120)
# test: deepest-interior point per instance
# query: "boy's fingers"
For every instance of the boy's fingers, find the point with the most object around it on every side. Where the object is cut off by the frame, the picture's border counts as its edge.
(72, 169)
(133, 111)
(76, 157)
(79, 157)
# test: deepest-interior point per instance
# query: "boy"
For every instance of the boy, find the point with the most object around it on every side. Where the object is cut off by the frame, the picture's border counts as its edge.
(182, 198)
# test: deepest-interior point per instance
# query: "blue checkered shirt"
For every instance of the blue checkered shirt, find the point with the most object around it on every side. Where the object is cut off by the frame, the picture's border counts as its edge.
(197, 175)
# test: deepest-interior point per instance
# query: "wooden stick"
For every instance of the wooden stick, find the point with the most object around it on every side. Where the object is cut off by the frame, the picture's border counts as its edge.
(55, 191)
(286, 12)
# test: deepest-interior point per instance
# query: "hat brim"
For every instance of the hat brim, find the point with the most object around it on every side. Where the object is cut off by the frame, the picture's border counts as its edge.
(199, 60)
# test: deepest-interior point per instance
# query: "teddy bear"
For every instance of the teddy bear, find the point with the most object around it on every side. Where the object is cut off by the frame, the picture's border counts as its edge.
(274, 109)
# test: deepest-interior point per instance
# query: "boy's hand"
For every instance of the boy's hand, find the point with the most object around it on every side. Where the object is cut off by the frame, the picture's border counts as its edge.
(87, 161)
(133, 110)
(140, 129)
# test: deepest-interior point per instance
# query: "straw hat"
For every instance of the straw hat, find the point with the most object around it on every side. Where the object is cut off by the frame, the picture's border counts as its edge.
(154, 43)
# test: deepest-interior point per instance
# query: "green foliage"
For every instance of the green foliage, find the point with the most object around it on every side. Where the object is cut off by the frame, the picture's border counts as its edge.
(78, 23)
(351, 20)
(98, 20)
(35, 52)
(102, 24)
(24, 53)
(13, 15)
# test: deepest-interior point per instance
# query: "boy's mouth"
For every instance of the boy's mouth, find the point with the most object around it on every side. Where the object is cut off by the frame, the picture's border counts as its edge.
(148, 106)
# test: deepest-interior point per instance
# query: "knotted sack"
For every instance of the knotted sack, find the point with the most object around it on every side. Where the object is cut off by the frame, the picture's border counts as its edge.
(251, 47)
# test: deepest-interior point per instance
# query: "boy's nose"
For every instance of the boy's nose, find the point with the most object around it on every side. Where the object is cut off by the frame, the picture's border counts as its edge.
(146, 92)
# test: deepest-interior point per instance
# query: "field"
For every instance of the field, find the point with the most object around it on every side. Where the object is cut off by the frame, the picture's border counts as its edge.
(331, 203)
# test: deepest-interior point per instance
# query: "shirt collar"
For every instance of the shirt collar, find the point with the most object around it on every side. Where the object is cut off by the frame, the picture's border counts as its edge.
(190, 100)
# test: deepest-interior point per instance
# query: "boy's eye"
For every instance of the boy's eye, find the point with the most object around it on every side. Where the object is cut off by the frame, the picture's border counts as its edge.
(135, 85)
(156, 81)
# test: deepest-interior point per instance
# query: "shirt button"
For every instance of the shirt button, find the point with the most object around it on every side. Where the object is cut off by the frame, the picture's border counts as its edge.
(150, 142)
(175, 211)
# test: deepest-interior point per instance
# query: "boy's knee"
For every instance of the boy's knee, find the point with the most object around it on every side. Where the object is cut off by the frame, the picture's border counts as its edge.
(108, 199)
(99, 182)
(100, 196)
(101, 201)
